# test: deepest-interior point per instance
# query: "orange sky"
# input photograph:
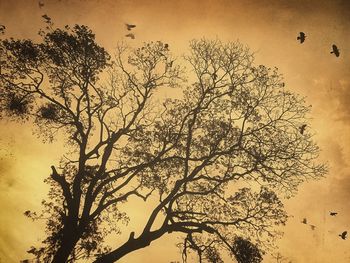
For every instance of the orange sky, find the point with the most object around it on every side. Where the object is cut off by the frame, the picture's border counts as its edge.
(269, 28)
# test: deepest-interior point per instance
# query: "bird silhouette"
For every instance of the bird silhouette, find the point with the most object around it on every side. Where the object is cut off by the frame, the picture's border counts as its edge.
(2, 29)
(335, 50)
(301, 37)
(312, 227)
(47, 18)
(129, 26)
(41, 4)
(170, 64)
(132, 36)
(333, 213)
(166, 46)
(304, 221)
(343, 235)
(302, 128)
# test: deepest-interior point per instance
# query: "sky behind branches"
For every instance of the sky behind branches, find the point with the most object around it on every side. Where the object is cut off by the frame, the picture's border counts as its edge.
(270, 29)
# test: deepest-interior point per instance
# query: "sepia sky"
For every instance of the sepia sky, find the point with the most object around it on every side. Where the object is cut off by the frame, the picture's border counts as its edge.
(270, 29)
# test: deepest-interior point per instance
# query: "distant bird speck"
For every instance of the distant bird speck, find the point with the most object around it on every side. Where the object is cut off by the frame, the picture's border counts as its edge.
(166, 46)
(343, 235)
(333, 213)
(335, 50)
(132, 36)
(302, 128)
(41, 4)
(47, 18)
(129, 26)
(312, 227)
(301, 37)
(170, 64)
(304, 221)
(2, 29)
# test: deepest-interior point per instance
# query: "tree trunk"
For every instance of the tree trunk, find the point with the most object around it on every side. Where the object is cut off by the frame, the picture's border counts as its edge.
(69, 240)
(131, 245)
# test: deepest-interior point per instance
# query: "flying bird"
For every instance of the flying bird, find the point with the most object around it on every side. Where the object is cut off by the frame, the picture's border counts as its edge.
(302, 128)
(301, 37)
(129, 26)
(343, 235)
(41, 4)
(132, 36)
(333, 213)
(335, 50)
(170, 64)
(304, 221)
(312, 227)
(2, 29)
(47, 18)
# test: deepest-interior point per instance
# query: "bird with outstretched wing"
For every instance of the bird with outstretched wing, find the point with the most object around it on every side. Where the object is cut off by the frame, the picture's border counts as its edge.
(302, 128)
(301, 37)
(129, 26)
(335, 50)
(132, 36)
(343, 235)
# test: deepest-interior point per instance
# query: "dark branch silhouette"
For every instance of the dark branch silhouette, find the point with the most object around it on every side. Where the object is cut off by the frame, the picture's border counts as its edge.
(234, 123)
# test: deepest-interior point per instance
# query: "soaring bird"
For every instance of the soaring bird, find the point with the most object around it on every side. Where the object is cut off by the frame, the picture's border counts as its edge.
(333, 213)
(312, 227)
(41, 4)
(302, 128)
(132, 36)
(343, 235)
(335, 50)
(301, 37)
(2, 29)
(170, 64)
(47, 18)
(129, 26)
(304, 221)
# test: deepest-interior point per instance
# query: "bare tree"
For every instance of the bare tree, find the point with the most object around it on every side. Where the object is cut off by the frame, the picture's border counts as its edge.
(234, 124)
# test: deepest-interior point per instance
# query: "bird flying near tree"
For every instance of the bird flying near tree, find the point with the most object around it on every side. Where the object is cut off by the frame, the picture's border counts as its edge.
(132, 36)
(343, 235)
(2, 29)
(301, 37)
(335, 50)
(302, 128)
(129, 26)
(333, 213)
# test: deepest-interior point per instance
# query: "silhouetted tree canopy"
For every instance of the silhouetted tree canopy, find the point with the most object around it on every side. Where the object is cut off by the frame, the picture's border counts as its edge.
(217, 158)
(246, 252)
